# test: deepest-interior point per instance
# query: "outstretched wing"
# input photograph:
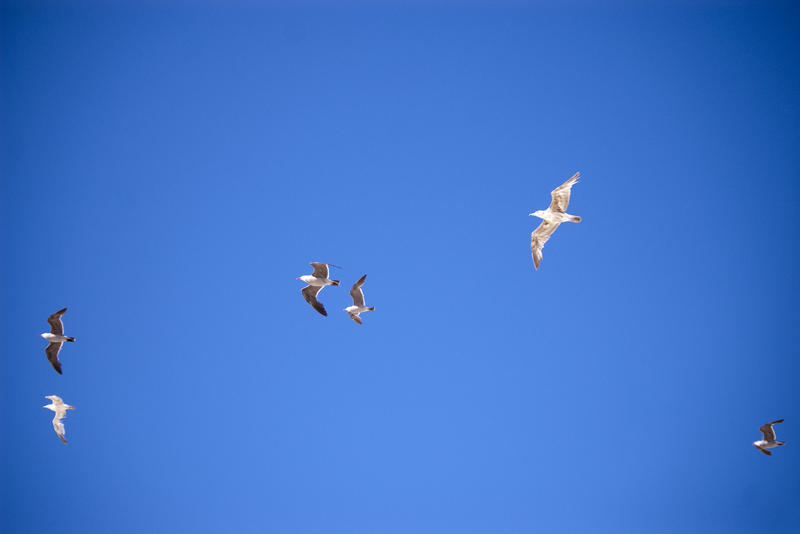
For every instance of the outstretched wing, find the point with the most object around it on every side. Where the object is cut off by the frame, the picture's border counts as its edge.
(56, 326)
(538, 238)
(58, 426)
(768, 431)
(765, 451)
(357, 293)
(355, 317)
(560, 194)
(320, 270)
(310, 294)
(52, 351)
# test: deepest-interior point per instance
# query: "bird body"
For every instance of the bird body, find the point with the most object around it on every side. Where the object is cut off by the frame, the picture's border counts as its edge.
(60, 408)
(555, 217)
(552, 217)
(56, 338)
(53, 338)
(317, 282)
(769, 441)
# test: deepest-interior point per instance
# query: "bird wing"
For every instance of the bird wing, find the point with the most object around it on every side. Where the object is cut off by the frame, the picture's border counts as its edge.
(768, 431)
(765, 451)
(357, 293)
(561, 194)
(56, 326)
(310, 294)
(320, 270)
(355, 317)
(58, 426)
(52, 351)
(539, 237)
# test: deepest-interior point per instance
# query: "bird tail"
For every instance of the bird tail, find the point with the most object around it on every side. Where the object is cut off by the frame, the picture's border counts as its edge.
(781, 443)
(371, 308)
(71, 339)
(335, 282)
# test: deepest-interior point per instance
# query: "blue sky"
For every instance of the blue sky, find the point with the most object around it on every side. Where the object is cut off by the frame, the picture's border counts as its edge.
(167, 173)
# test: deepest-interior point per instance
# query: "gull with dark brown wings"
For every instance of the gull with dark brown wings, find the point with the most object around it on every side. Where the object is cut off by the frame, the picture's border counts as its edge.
(769, 441)
(358, 306)
(56, 338)
(316, 282)
(552, 217)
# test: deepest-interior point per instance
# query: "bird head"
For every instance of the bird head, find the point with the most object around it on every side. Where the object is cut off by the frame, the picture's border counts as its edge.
(537, 213)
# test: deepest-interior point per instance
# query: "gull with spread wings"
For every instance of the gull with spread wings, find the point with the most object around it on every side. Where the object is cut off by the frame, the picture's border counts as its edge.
(769, 441)
(552, 217)
(56, 338)
(60, 408)
(358, 306)
(316, 281)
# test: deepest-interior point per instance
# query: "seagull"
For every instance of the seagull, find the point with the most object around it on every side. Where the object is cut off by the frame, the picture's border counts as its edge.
(358, 301)
(552, 217)
(317, 281)
(57, 405)
(769, 438)
(56, 338)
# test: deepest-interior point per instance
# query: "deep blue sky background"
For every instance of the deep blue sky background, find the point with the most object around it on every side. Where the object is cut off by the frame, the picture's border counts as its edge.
(168, 172)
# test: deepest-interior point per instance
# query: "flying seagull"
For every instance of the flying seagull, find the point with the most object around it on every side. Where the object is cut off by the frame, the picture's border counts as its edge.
(57, 405)
(56, 338)
(316, 281)
(769, 438)
(552, 217)
(358, 301)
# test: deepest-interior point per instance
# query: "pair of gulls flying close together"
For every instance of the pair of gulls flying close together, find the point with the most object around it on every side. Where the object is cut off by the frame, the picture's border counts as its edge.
(60, 408)
(552, 217)
(320, 278)
(56, 338)
(769, 441)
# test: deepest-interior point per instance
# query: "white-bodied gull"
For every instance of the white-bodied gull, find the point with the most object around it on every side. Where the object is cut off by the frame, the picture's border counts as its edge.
(552, 217)
(769, 441)
(56, 338)
(316, 281)
(358, 306)
(60, 408)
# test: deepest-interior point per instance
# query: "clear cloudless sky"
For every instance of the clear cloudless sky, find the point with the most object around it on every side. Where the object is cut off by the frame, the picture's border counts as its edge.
(169, 170)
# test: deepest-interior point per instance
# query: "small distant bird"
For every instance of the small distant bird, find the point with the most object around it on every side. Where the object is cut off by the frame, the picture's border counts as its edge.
(56, 338)
(358, 301)
(552, 217)
(769, 438)
(57, 405)
(316, 282)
